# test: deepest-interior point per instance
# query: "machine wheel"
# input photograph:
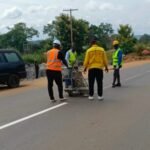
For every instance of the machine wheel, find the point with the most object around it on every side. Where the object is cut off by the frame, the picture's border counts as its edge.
(70, 93)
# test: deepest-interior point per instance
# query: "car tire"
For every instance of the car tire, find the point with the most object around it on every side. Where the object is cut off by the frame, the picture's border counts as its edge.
(13, 81)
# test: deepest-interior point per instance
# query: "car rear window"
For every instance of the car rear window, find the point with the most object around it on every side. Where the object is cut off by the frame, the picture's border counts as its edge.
(12, 57)
(2, 59)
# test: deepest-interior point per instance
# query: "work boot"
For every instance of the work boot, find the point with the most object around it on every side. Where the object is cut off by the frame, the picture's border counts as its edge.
(53, 100)
(113, 85)
(118, 84)
(63, 99)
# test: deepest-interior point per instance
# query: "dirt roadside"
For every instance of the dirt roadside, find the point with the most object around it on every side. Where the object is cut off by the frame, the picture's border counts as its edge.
(42, 82)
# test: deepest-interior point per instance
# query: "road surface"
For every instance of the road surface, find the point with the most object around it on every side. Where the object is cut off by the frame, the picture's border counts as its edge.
(28, 121)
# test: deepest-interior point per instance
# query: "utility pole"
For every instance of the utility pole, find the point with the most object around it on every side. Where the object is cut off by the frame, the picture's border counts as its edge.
(71, 31)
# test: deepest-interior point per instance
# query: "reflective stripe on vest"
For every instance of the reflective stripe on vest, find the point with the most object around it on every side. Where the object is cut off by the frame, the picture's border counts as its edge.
(115, 57)
(53, 63)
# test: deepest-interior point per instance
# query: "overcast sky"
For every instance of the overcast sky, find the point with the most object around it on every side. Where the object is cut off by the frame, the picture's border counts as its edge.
(37, 13)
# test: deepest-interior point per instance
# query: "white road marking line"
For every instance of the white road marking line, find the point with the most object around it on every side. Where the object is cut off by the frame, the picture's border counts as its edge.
(130, 78)
(136, 76)
(133, 77)
(31, 116)
(107, 87)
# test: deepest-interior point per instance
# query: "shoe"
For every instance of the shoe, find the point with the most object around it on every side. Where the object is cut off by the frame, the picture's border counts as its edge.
(63, 99)
(53, 101)
(113, 85)
(100, 98)
(118, 84)
(91, 98)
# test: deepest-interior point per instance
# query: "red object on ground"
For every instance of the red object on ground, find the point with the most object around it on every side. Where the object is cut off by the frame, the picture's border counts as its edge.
(146, 52)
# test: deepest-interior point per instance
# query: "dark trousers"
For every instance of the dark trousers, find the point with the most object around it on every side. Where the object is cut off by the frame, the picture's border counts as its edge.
(116, 76)
(36, 73)
(98, 75)
(57, 77)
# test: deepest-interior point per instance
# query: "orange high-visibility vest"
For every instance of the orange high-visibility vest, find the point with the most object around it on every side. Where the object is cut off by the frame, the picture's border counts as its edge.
(53, 63)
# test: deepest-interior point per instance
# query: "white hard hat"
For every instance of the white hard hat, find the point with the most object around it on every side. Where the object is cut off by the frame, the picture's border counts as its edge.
(56, 42)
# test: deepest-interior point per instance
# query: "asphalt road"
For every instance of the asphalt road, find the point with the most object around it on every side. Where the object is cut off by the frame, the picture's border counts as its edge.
(28, 121)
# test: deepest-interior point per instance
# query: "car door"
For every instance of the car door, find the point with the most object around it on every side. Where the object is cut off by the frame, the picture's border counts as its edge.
(3, 67)
(16, 64)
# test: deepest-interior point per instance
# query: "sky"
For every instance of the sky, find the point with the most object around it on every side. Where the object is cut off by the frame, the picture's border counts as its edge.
(37, 13)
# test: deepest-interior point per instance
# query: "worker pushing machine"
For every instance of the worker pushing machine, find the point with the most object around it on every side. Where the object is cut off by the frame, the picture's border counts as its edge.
(71, 57)
(117, 64)
(54, 68)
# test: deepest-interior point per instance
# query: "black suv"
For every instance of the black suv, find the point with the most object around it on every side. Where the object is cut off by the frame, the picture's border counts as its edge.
(12, 68)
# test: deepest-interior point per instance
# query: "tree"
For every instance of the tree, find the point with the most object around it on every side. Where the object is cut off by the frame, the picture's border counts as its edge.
(60, 28)
(126, 38)
(103, 32)
(145, 39)
(17, 36)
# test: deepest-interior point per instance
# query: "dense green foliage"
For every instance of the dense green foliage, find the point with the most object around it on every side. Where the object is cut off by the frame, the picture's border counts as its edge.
(17, 36)
(20, 36)
(126, 38)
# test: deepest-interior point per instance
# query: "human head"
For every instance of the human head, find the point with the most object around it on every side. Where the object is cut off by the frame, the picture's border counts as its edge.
(93, 40)
(115, 44)
(56, 44)
(73, 49)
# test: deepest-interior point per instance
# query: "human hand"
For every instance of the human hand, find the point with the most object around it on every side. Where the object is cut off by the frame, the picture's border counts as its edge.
(120, 66)
(84, 70)
(106, 70)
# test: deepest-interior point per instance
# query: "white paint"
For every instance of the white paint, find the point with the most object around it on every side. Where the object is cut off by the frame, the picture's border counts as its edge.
(107, 87)
(31, 116)
(133, 77)
(136, 76)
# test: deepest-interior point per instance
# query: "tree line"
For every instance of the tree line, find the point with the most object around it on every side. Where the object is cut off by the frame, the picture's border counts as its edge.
(20, 36)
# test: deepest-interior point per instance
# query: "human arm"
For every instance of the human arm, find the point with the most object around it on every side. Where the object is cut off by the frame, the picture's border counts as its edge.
(62, 58)
(120, 59)
(67, 57)
(86, 61)
(105, 62)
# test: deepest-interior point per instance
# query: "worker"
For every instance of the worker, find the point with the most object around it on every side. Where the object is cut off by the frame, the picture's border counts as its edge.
(117, 63)
(95, 61)
(36, 65)
(54, 68)
(71, 57)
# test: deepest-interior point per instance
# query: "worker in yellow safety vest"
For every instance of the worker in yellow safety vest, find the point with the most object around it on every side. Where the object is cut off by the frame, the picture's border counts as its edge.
(117, 63)
(71, 57)
(55, 58)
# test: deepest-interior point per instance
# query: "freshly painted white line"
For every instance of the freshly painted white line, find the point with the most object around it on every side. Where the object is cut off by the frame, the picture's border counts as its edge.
(138, 75)
(107, 87)
(133, 77)
(31, 116)
(130, 78)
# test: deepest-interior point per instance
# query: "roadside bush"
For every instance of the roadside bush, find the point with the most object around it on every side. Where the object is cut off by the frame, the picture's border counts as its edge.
(140, 47)
(109, 56)
(31, 58)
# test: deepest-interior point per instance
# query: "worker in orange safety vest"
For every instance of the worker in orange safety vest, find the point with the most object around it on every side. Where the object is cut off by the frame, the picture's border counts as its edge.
(55, 58)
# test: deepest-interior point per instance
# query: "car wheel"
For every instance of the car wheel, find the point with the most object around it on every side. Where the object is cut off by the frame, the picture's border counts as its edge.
(13, 81)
